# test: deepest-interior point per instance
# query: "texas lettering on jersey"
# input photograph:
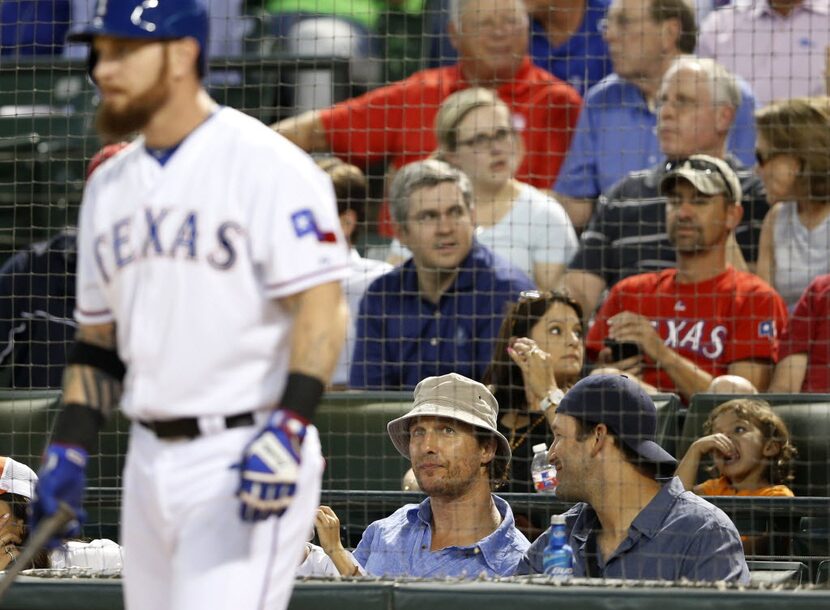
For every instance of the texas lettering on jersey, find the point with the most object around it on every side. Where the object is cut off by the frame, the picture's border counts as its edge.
(702, 337)
(167, 232)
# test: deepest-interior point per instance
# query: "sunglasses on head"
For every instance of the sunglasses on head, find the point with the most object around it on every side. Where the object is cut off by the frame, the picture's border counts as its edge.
(701, 165)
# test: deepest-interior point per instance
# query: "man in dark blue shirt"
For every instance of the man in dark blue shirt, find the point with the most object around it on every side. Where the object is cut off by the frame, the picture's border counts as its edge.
(440, 311)
(627, 524)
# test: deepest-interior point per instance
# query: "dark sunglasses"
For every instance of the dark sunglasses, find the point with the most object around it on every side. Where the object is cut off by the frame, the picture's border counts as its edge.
(701, 165)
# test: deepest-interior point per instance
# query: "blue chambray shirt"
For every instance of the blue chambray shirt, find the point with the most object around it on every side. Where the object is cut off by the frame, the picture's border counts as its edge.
(617, 133)
(677, 535)
(399, 545)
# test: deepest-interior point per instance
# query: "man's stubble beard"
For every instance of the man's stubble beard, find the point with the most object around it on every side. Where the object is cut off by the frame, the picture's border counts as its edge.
(115, 125)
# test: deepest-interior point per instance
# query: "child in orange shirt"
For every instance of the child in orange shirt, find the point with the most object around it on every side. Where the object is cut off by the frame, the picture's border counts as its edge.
(751, 449)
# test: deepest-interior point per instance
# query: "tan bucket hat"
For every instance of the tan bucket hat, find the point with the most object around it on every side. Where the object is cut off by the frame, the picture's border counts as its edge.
(455, 397)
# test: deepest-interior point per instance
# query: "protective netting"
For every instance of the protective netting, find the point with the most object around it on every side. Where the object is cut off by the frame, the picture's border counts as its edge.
(566, 182)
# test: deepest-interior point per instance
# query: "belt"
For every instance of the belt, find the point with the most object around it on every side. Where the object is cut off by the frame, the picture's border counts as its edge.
(189, 426)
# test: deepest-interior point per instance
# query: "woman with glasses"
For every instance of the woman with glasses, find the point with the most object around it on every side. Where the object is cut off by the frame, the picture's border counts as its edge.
(538, 357)
(476, 133)
(793, 155)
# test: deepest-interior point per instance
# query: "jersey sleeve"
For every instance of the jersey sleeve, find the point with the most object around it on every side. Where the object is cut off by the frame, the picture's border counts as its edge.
(91, 305)
(296, 234)
(363, 130)
(760, 319)
(796, 337)
(578, 176)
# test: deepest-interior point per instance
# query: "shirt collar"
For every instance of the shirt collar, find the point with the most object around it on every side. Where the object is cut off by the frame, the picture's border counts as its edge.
(763, 9)
(648, 522)
(493, 546)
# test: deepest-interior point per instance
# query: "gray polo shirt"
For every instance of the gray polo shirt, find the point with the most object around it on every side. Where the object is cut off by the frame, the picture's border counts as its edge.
(677, 535)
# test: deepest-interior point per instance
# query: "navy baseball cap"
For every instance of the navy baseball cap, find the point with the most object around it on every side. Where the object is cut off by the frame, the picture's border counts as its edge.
(621, 404)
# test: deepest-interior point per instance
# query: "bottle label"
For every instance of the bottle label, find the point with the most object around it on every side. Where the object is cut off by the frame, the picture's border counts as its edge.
(545, 480)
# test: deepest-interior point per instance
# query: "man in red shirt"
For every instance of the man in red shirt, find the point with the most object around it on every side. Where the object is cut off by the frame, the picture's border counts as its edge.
(805, 343)
(704, 318)
(396, 122)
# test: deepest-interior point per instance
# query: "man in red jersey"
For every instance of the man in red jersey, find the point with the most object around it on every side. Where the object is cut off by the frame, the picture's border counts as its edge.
(396, 122)
(703, 318)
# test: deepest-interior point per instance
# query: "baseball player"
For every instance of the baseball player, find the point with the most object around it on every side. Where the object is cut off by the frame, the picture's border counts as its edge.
(209, 266)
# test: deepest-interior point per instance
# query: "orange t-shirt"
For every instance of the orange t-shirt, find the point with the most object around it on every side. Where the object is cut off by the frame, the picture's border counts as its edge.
(722, 487)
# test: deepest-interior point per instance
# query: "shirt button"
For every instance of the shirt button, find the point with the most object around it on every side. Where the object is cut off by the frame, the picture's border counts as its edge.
(433, 342)
(652, 159)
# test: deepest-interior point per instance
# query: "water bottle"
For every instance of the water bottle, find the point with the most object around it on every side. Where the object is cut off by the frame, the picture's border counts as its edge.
(544, 473)
(558, 558)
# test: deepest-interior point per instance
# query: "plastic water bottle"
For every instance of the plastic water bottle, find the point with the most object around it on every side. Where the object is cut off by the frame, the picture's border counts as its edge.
(544, 473)
(558, 558)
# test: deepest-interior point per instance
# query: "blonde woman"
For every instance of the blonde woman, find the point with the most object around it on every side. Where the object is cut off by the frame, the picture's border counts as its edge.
(476, 133)
(793, 155)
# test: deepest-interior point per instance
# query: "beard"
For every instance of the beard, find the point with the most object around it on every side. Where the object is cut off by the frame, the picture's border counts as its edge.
(115, 124)
(453, 485)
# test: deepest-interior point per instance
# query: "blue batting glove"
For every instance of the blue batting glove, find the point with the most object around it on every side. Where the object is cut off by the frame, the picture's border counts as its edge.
(270, 466)
(62, 478)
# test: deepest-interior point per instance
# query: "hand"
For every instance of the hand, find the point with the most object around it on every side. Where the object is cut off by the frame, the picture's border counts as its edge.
(537, 368)
(714, 442)
(62, 478)
(270, 466)
(328, 530)
(11, 537)
(628, 327)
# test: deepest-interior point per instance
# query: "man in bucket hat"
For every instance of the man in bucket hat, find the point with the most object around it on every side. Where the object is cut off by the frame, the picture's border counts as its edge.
(461, 529)
(704, 318)
(627, 524)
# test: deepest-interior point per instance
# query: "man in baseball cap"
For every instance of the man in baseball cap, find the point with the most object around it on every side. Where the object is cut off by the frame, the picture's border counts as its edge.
(682, 320)
(461, 529)
(627, 523)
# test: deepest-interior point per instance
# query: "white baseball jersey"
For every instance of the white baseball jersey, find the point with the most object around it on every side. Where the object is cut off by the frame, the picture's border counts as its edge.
(189, 259)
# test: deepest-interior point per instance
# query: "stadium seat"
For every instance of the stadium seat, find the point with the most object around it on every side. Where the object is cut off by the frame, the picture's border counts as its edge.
(358, 452)
(823, 573)
(776, 572)
(808, 419)
(668, 414)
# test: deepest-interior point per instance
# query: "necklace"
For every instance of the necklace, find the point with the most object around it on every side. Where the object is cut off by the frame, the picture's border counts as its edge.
(515, 443)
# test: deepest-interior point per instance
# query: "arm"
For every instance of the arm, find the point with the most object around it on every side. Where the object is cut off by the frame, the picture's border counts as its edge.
(91, 387)
(304, 130)
(579, 210)
(687, 376)
(548, 275)
(765, 267)
(321, 316)
(688, 466)
(789, 374)
(757, 372)
(328, 531)
(586, 288)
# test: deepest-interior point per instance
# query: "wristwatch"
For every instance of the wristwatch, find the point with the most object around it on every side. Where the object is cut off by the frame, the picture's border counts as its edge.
(552, 399)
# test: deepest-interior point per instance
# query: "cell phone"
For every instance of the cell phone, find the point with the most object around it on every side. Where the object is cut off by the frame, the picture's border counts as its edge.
(622, 350)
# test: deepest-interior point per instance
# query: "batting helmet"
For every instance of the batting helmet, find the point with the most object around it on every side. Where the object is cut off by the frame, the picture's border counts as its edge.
(147, 20)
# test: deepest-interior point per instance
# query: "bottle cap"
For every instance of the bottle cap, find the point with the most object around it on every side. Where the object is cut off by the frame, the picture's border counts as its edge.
(539, 447)
(557, 519)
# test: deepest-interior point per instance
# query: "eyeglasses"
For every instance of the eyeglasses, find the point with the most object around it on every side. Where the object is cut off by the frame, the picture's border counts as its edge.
(482, 141)
(706, 167)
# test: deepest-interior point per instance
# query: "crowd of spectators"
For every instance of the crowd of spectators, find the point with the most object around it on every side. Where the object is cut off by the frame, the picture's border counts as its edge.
(576, 189)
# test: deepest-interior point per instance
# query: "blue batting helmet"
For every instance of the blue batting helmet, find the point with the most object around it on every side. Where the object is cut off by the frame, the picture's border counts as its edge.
(147, 20)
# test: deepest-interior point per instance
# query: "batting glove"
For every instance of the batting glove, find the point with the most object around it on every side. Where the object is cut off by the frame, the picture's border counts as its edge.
(62, 478)
(270, 466)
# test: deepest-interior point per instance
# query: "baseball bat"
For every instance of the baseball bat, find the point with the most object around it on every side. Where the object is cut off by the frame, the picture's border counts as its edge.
(45, 530)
